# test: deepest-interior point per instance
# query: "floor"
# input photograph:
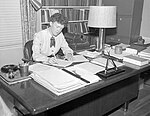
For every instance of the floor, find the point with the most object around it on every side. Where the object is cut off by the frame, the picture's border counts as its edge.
(138, 107)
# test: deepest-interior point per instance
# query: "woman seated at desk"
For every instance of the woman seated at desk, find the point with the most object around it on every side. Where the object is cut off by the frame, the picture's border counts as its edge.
(48, 42)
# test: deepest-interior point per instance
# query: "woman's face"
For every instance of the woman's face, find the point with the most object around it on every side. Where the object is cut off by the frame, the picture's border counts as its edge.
(56, 28)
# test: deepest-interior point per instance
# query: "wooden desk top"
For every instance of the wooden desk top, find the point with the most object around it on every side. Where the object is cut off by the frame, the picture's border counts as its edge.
(37, 99)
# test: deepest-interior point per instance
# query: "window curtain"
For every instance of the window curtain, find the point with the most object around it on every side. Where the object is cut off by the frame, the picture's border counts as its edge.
(28, 20)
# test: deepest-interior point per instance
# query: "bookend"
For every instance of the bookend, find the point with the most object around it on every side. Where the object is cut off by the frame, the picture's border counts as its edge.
(111, 71)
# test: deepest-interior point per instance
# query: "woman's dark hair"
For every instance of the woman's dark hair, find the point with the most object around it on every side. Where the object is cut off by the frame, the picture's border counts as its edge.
(57, 17)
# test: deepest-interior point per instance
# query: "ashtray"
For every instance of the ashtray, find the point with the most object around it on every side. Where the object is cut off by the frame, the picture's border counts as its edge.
(9, 68)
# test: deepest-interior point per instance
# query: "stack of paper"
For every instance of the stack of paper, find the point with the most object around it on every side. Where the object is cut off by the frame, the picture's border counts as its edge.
(136, 60)
(54, 79)
(145, 53)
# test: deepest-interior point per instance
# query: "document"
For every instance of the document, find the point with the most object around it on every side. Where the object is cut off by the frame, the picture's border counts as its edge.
(79, 58)
(62, 63)
(90, 67)
(90, 54)
(92, 78)
(102, 62)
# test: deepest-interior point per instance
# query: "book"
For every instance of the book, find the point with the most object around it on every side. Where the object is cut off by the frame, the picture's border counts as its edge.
(145, 53)
(138, 47)
(135, 59)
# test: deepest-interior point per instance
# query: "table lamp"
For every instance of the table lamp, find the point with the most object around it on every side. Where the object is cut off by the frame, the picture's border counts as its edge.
(102, 17)
(36, 4)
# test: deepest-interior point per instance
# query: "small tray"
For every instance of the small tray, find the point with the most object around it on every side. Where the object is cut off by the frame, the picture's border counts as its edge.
(17, 78)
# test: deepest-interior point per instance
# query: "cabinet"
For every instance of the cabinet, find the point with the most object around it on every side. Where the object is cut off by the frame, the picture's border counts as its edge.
(129, 16)
(77, 13)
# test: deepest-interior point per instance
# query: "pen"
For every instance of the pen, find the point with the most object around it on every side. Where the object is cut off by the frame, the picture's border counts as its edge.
(76, 75)
(54, 56)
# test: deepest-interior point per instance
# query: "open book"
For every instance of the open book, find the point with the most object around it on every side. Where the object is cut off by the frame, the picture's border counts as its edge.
(59, 81)
(64, 63)
(84, 74)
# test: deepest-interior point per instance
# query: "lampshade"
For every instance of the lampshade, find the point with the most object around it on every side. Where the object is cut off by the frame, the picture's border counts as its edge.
(102, 17)
(36, 4)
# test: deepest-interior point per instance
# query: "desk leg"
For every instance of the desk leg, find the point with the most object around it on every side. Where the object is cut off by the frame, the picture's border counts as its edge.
(125, 106)
(20, 109)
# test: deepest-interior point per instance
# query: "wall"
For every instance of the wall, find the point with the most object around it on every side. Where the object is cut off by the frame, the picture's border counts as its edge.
(145, 25)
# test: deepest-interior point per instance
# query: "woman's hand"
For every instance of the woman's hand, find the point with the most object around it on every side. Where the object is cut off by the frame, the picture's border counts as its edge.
(69, 56)
(52, 60)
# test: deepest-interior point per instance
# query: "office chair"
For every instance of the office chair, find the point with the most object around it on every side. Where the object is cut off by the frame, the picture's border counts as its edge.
(27, 51)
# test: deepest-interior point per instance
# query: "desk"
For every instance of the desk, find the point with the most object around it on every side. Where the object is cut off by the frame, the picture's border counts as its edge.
(94, 100)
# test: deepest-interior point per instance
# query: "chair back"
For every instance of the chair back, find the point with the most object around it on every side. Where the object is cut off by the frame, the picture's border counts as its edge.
(28, 50)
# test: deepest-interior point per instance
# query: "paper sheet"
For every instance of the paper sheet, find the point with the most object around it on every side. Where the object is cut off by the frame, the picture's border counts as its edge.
(102, 61)
(90, 67)
(79, 58)
(61, 63)
(90, 54)
(84, 74)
